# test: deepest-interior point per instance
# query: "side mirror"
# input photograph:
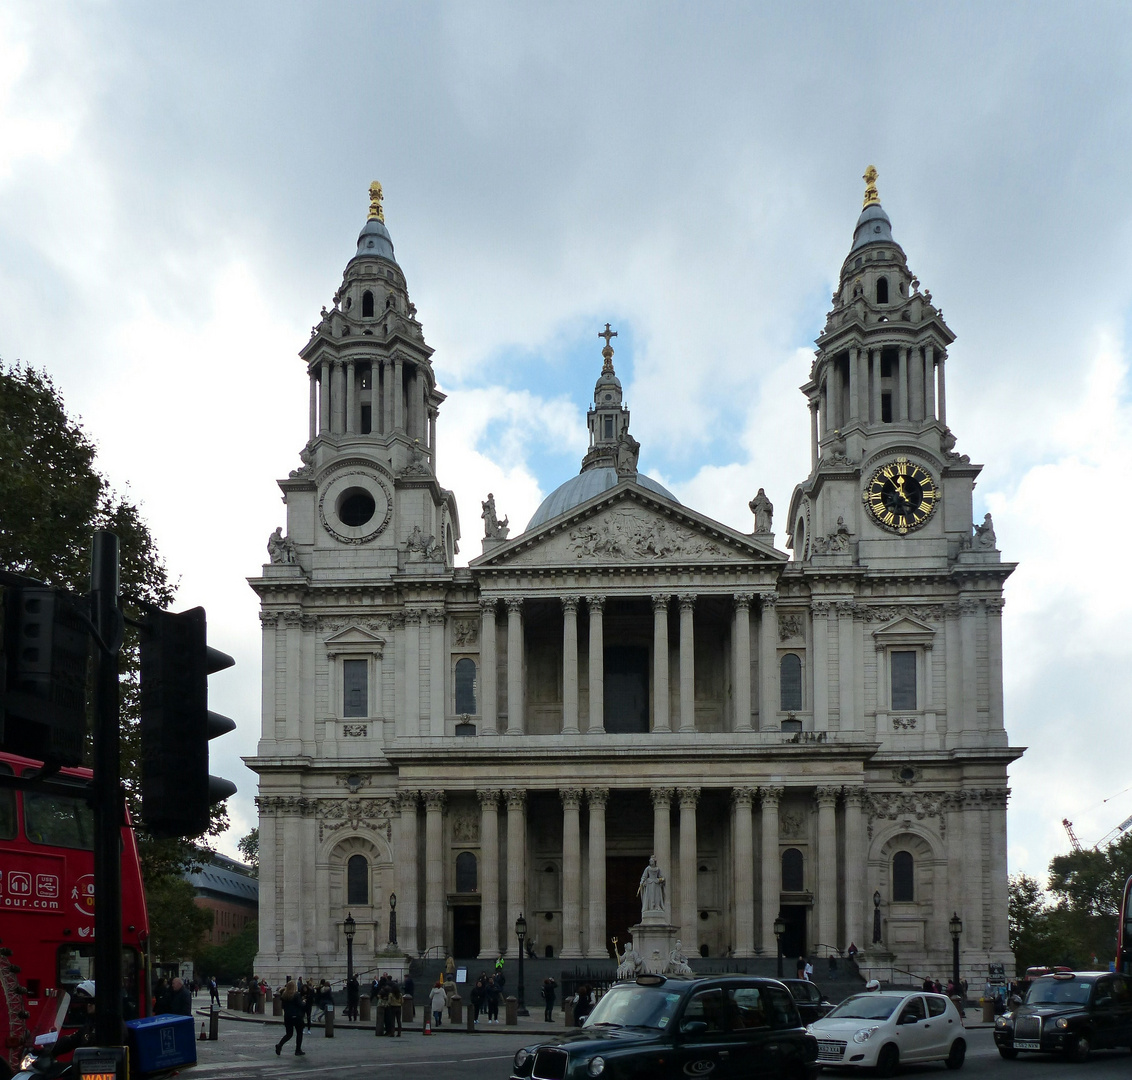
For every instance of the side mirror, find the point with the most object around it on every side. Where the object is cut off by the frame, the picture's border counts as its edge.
(693, 1027)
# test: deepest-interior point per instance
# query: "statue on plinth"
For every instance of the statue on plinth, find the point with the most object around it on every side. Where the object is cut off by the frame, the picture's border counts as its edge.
(651, 889)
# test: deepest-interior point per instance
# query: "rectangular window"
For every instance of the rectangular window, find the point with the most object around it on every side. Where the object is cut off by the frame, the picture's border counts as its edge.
(58, 821)
(886, 408)
(903, 680)
(609, 427)
(355, 688)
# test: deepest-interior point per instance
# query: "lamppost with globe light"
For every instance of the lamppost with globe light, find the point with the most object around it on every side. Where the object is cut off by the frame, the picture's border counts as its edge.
(520, 990)
(392, 918)
(349, 928)
(779, 930)
(956, 927)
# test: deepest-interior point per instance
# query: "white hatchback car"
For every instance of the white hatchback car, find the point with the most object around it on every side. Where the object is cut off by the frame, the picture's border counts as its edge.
(884, 1030)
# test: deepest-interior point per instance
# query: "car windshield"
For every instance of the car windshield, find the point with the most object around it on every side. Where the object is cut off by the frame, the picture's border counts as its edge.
(635, 1006)
(867, 1007)
(1053, 991)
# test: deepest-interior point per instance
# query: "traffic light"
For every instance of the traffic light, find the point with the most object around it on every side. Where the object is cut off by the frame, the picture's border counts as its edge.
(43, 671)
(176, 725)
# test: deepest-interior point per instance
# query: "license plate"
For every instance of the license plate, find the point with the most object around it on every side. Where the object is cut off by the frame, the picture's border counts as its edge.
(830, 1049)
(1027, 1045)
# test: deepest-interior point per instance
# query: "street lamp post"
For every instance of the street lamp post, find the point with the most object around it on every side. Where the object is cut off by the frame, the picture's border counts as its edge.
(779, 930)
(520, 993)
(956, 928)
(392, 918)
(349, 928)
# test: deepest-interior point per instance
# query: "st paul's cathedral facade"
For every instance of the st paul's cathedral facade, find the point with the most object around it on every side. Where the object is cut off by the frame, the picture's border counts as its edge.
(811, 735)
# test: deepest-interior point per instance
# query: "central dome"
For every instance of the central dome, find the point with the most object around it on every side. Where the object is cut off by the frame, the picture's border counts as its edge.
(583, 487)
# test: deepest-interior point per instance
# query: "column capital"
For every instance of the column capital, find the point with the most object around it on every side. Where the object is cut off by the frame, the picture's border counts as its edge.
(570, 604)
(995, 605)
(595, 603)
(516, 798)
(434, 800)
(768, 600)
(826, 796)
(688, 796)
(514, 605)
(412, 615)
(687, 602)
(968, 606)
(487, 605)
(856, 796)
(661, 796)
(846, 608)
(571, 797)
(407, 801)
(820, 608)
(660, 601)
(743, 796)
(269, 618)
(771, 796)
(597, 796)
(435, 615)
(743, 600)
(488, 797)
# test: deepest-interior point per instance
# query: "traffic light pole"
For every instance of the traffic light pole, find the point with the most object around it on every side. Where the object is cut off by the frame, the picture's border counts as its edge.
(106, 792)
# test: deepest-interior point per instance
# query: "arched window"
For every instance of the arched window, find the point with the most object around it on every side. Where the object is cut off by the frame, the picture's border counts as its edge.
(903, 866)
(367, 305)
(357, 880)
(793, 878)
(465, 687)
(790, 681)
(467, 878)
(882, 290)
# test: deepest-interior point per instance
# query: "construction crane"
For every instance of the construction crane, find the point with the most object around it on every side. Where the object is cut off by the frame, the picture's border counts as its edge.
(1072, 835)
(1104, 841)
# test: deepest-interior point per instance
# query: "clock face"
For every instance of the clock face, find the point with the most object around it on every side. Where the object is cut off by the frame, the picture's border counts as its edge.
(901, 495)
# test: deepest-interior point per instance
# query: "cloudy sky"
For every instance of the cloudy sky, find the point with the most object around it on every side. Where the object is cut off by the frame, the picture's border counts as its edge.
(181, 187)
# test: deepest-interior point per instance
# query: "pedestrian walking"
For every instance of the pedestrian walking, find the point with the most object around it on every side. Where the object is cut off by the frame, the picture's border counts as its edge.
(493, 996)
(293, 1009)
(213, 992)
(548, 988)
(478, 995)
(583, 1005)
(436, 1001)
(394, 1009)
(308, 1003)
(353, 995)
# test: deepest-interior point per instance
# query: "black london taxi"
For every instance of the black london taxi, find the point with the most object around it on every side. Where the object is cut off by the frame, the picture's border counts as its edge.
(1070, 1013)
(659, 1026)
(812, 1003)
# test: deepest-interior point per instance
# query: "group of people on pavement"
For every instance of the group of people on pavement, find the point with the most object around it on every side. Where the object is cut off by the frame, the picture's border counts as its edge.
(388, 997)
(486, 993)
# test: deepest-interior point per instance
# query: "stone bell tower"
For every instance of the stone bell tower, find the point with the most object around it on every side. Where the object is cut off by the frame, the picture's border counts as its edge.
(366, 499)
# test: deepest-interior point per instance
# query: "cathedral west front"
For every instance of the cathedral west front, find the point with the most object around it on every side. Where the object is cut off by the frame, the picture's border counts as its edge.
(809, 732)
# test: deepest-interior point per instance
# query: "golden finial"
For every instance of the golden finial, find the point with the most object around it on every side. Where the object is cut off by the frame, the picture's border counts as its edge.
(870, 178)
(376, 213)
(607, 352)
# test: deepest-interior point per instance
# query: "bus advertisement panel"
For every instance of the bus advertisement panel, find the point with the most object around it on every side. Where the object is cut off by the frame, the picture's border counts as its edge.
(47, 903)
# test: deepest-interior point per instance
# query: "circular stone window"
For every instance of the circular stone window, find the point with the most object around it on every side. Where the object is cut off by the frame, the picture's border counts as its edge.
(355, 507)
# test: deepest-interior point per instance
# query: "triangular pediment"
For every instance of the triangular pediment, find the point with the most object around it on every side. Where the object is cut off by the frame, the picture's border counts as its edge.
(629, 525)
(904, 629)
(355, 638)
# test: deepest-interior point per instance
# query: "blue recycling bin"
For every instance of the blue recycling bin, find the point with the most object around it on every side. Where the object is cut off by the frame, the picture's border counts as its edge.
(162, 1042)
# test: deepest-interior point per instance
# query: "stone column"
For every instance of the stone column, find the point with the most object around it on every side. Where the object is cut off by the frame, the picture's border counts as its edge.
(863, 383)
(412, 720)
(313, 425)
(687, 665)
(597, 669)
(689, 866)
(856, 853)
(854, 387)
(901, 410)
(813, 433)
(771, 863)
(407, 870)
(741, 657)
(571, 873)
(974, 871)
(915, 385)
(398, 395)
(662, 834)
(489, 873)
(434, 868)
(941, 388)
(768, 663)
(570, 665)
(270, 895)
(515, 667)
(294, 873)
(432, 439)
(337, 398)
(662, 720)
(819, 669)
(269, 708)
(999, 936)
(826, 922)
(968, 631)
(437, 695)
(488, 702)
(847, 666)
(742, 798)
(994, 608)
(324, 397)
(387, 396)
(877, 409)
(375, 397)
(351, 399)
(596, 945)
(929, 382)
(516, 864)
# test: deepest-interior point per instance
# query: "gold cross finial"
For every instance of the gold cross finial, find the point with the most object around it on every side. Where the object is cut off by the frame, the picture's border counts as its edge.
(607, 352)
(376, 212)
(870, 178)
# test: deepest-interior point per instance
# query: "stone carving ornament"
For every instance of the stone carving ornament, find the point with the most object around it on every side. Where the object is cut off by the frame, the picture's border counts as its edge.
(624, 536)
(789, 625)
(281, 549)
(465, 632)
(465, 827)
(493, 528)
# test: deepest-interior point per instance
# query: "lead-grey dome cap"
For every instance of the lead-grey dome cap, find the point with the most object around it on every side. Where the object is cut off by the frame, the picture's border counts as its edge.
(873, 227)
(583, 487)
(374, 241)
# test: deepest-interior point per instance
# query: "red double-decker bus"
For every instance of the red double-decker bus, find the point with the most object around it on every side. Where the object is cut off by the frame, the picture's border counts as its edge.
(1124, 931)
(47, 906)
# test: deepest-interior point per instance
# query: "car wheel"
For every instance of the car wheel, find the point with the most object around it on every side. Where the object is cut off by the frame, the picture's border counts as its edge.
(1008, 1052)
(1080, 1047)
(956, 1054)
(888, 1061)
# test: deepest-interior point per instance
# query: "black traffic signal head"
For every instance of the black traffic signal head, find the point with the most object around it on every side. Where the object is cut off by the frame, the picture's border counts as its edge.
(176, 725)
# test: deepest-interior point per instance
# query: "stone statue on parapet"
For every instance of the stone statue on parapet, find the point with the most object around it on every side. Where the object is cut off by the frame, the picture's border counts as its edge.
(763, 509)
(628, 451)
(281, 549)
(651, 888)
(984, 539)
(423, 545)
(678, 962)
(493, 528)
(629, 961)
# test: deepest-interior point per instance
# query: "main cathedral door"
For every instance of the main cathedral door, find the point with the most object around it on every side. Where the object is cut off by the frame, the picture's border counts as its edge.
(465, 931)
(622, 906)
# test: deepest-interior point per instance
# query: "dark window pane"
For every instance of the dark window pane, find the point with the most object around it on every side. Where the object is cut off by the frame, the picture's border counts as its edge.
(626, 696)
(465, 687)
(793, 878)
(903, 890)
(791, 681)
(903, 680)
(367, 305)
(58, 820)
(355, 696)
(466, 877)
(7, 814)
(882, 290)
(357, 880)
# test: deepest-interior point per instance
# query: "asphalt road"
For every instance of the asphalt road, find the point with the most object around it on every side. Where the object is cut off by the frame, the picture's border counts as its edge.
(245, 1051)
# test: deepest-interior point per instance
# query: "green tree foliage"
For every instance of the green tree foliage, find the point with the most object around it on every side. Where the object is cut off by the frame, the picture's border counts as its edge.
(1093, 881)
(177, 924)
(249, 848)
(233, 959)
(52, 499)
